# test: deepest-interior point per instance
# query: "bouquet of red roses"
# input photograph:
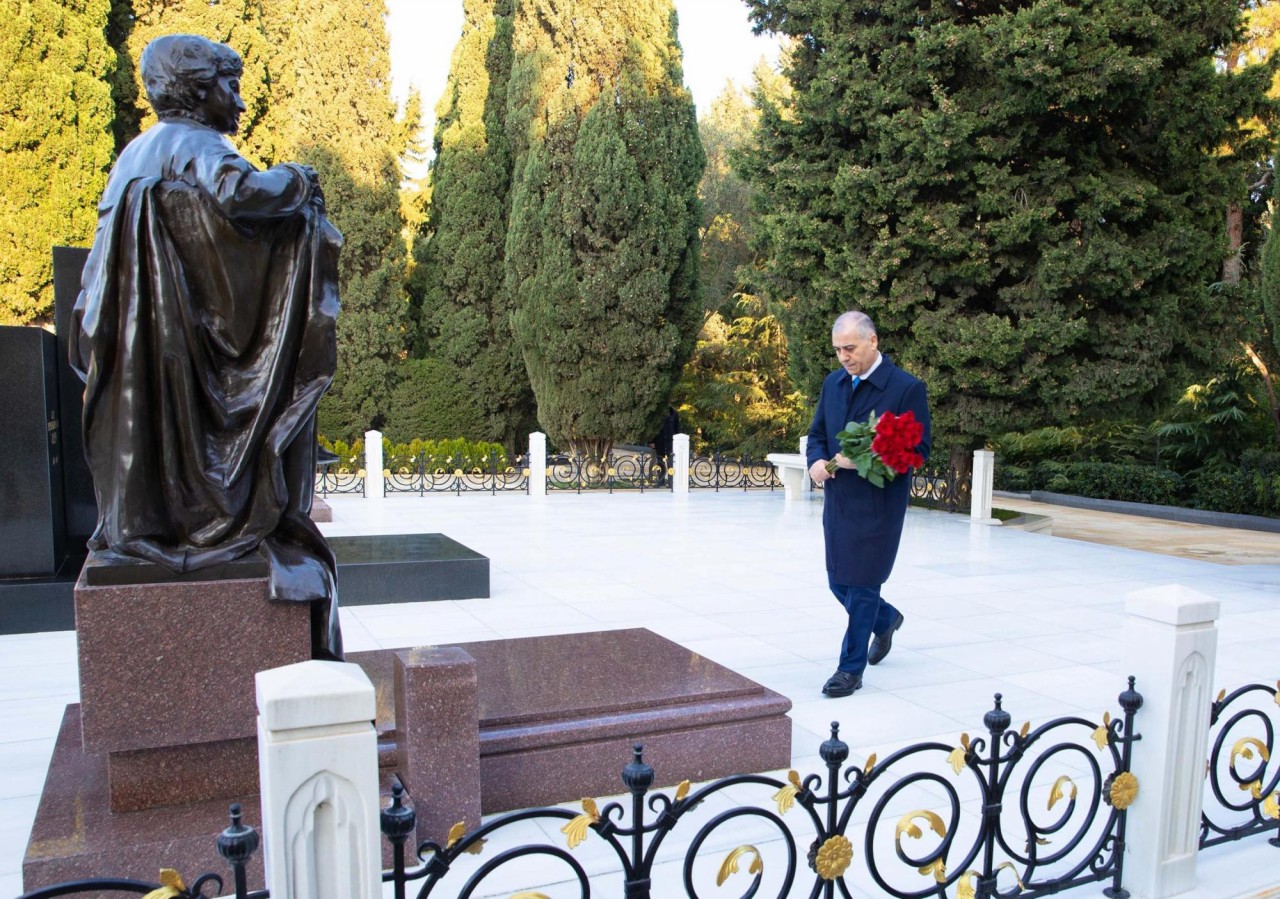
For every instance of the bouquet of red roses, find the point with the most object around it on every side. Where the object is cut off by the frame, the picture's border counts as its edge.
(882, 447)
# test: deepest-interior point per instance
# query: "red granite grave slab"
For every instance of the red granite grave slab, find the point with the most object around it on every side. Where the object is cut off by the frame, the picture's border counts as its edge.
(149, 778)
(558, 716)
(170, 664)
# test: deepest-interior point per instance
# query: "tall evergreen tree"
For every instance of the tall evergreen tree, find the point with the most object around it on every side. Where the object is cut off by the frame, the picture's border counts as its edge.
(602, 248)
(330, 107)
(462, 311)
(55, 142)
(1027, 196)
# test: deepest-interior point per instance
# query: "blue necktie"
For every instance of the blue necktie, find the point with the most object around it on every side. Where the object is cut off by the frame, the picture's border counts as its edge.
(853, 386)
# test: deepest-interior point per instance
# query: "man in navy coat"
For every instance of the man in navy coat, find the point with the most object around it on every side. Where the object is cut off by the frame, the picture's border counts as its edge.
(862, 523)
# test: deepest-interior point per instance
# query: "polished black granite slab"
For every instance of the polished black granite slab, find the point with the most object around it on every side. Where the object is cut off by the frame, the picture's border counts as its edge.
(371, 570)
(407, 568)
(32, 528)
(78, 501)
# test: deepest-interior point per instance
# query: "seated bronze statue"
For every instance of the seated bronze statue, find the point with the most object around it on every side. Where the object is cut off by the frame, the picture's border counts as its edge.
(204, 331)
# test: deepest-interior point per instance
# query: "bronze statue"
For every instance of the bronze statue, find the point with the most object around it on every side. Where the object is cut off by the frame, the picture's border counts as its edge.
(206, 338)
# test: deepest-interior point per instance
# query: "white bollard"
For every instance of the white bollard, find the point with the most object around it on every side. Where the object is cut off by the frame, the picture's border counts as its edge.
(537, 464)
(806, 484)
(984, 468)
(680, 448)
(1170, 647)
(318, 765)
(373, 482)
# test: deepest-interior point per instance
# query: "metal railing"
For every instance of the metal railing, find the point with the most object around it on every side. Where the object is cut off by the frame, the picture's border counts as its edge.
(616, 472)
(431, 473)
(719, 472)
(329, 482)
(1046, 811)
(1242, 775)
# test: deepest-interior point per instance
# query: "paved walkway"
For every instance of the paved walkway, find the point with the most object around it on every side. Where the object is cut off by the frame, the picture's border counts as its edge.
(1226, 546)
(738, 578)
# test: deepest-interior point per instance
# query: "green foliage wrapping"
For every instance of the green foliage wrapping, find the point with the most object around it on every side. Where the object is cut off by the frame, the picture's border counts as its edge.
(433, 400)
(330, 108)
(1028, 197)
(463, 314)
(55, 143)
(602, 248)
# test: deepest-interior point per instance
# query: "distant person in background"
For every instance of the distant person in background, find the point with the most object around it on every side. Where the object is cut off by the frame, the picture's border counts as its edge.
(663, 445)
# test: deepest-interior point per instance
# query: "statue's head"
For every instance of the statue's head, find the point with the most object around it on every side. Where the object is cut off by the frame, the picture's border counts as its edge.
(188, 76)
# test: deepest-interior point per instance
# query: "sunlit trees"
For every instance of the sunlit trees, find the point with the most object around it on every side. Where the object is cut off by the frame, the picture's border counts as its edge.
(1028, 197)
(602, 246)
(55, 143)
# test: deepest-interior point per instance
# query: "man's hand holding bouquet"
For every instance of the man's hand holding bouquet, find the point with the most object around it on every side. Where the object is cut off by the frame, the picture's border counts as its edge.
(882, 447)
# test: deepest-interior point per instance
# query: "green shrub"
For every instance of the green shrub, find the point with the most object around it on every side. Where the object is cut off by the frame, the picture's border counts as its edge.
(350, 455)
(455, 452)
(1013, 478)
(1261, 461)
(1241, 492)
(1123, 481)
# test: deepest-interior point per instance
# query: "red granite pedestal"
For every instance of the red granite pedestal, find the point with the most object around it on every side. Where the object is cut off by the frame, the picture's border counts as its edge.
(165, 735)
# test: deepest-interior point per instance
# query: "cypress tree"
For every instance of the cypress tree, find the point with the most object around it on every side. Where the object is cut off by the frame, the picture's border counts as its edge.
(55, 142)
(602, 247)
(462, 312)
(1026, 196)
(330, 107)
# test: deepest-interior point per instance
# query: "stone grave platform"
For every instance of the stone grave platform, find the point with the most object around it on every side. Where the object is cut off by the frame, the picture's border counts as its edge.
(371, 569)
(556, 718)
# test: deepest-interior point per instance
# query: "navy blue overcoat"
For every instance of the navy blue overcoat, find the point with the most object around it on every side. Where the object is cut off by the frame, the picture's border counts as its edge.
(862, 522)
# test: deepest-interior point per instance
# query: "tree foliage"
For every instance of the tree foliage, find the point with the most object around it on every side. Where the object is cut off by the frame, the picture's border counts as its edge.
(602, 248)
(55, 142)
(330, 107)
(1027, 196)
(463, 315)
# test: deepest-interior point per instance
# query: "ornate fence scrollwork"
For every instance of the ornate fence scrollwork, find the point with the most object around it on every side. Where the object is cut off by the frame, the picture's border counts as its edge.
(1242, 774)
(329, 482)
(618, 471)
(429, 473)
(1027, 812)
(718, 472)
(941, 488)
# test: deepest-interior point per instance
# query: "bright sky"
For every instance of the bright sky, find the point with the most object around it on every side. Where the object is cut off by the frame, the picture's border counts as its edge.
(715, 35)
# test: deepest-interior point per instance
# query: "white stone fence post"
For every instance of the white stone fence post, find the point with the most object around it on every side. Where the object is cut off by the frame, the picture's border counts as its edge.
(373, 483)
(680, 448)
(1170, 647)
(980, 485)
(318, 769)
(537, 464)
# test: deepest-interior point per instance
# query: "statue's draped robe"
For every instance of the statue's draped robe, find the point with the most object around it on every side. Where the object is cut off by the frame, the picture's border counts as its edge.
(205, 334)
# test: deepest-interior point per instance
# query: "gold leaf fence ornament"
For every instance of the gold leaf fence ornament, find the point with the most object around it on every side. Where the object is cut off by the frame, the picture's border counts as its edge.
(729, 866)
(1124, 790)
(530, 895)
(958, 756)
(938, 868)
(1271, 806)
(907, 826)
(966, 889)
(576, 830)
(1243, 748)
(1102, 736)
(1059, 790)
(171, 885)
(786, 797)
(834, 857)
(682, 790)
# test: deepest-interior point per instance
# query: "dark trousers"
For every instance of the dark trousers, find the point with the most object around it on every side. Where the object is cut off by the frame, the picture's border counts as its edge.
(868, 614)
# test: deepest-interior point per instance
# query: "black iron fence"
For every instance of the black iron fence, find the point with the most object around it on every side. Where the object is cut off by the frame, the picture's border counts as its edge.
(329, 482)
(1041, 809)
(718, 472)
(1242, 775)
(941, 488)
(431, 473)
(616, 472)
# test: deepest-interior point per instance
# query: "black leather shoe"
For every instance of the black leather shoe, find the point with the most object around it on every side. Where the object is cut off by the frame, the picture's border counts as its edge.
(842, 683)
(881, 645)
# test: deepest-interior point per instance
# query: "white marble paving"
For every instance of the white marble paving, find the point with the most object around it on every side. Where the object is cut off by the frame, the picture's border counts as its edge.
(739, 578)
